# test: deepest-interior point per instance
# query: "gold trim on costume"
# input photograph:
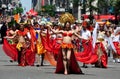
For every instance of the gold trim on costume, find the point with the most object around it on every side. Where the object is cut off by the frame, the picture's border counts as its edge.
(65, 45)
(40, 48)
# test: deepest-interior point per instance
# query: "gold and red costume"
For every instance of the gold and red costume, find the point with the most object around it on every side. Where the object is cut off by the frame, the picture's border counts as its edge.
(74, 67)
(39, 45)
(25, 54)
(54, 47)
(65, 45)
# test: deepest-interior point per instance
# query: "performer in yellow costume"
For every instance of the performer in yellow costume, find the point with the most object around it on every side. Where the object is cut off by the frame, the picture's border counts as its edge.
(39, 46)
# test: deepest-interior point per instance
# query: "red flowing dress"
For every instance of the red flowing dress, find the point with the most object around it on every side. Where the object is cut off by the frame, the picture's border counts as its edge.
(27, 55)
(87, 56)
(52, 46)
(10, 50)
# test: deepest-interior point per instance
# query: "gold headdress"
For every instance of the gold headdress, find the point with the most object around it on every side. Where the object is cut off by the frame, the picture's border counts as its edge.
(67, 17)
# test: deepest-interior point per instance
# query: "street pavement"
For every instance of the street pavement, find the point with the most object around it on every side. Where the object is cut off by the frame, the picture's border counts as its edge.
(10, 70)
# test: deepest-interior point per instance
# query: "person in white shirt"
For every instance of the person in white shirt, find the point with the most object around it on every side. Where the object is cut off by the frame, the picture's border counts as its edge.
(86, 35)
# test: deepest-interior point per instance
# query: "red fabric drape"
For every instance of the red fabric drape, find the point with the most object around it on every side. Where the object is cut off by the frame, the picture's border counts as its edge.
(74, 67)
(117, 47)
(30, 57)
(33, 39)
(104, 57)
(10, 50)
(48, 45)
(87, 56)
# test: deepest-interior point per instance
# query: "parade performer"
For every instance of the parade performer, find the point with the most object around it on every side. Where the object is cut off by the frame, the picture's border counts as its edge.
(66, 62)
(116, 41)
(100, 47)
(86, 35)
(32, 39)
(32, 34)
(25, 54)
(10, 42)
(39, 46)
(58, 42)
(87, 55)
(43, 45)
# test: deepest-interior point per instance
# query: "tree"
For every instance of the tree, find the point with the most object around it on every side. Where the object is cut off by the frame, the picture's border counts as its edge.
(116, 6)
(103, 6)
(90, 8)
(18, 10)
(49, 9)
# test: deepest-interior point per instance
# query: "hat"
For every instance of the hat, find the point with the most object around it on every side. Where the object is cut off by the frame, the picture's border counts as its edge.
(84, 23)
(108, 23)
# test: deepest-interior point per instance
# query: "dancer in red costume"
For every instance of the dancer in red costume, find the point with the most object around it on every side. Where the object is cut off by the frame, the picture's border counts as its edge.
(66, 62)
(25, 54)
(9, 45)
(100, 47)
(87, 56)
(32, 38)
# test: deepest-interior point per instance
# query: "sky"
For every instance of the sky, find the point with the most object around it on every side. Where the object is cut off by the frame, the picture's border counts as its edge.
(26, 5)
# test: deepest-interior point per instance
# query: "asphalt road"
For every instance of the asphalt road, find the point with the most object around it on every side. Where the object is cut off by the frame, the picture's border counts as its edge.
(10, 70)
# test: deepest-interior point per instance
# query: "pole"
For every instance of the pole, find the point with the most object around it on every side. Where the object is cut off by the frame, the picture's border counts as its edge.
(79, 11)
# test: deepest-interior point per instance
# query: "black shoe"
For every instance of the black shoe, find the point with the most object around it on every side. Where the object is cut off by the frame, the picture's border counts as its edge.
(38, 65)
(41, 64)
(84, 66)
(11, 61)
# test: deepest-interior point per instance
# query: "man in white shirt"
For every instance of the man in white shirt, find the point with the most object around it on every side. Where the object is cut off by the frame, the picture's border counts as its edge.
(85, 35)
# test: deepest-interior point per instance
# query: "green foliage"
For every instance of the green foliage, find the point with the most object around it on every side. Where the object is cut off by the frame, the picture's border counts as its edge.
(102, 4)
(39, 12)
(12, 23)
(49, 9)
(18, 10)
(117, 5)
(90, 6)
